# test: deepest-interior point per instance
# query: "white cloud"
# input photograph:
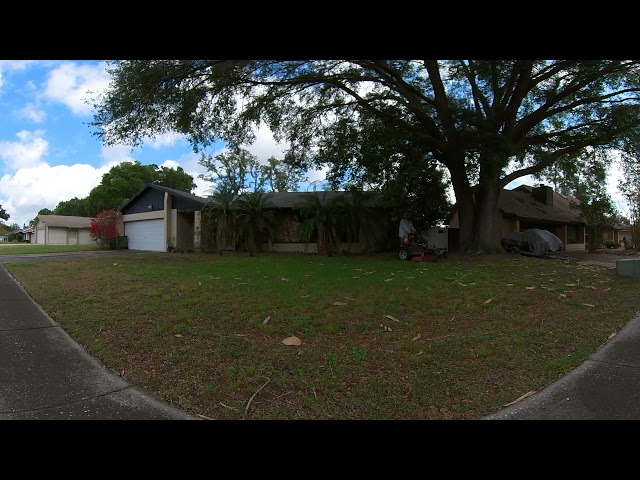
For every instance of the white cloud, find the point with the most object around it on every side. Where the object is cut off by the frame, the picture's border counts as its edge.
(72, 84)
(114, 155)
(25, 192)
(31, 112)
(164, 140)
(265, 146)
(26, 152)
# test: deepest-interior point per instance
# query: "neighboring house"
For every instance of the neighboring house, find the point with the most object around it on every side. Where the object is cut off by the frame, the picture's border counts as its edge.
(159, 219)
(26, 235)
(538, 207)
(62, 230)
(3, 237)
(625, 232)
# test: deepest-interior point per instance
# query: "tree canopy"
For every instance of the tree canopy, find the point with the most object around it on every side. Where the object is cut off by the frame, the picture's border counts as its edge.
(485, 122)
(3, 214)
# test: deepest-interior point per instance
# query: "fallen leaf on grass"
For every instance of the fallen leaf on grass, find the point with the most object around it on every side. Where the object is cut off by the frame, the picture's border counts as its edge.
(115, 264)
(391, 318)
(463, 284)
(216, 278)
(339, 303)
(385, 328)
(355, 277)
(529, 288)
(570, 284)
(417, 337)
(178, 335)
(284, 279)
(292, 341)
(562, 294)
(410, 277)
(589, 304)
(420, 353)
(349, 298)
(388, 279)
(264, 322)
(510, 284)
(489, 300)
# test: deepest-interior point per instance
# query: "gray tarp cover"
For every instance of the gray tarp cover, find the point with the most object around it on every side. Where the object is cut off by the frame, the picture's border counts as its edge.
(540, 241)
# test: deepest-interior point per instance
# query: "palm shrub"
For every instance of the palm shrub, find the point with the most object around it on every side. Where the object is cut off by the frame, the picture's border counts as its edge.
(361, 223)
(324, 217)
(222, 210)
(255, 219)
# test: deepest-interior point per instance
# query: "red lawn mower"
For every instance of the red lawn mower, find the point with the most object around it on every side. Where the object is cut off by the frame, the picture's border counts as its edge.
(416, 247)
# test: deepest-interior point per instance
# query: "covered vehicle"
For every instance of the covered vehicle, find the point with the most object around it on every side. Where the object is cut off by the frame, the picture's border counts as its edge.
(533, 241)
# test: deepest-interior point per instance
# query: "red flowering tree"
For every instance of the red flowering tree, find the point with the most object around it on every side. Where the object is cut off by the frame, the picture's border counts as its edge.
(104, 228)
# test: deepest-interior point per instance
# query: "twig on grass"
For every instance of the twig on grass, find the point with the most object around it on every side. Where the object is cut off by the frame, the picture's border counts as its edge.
(227, 406)
(254, 396)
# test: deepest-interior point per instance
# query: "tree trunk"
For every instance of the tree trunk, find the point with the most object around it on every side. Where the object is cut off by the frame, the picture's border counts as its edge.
(487, 220)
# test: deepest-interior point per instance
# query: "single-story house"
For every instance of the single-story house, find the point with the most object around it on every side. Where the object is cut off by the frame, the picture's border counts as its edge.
(160, 219)
(27, 235)
(527, 207)
(62, 230)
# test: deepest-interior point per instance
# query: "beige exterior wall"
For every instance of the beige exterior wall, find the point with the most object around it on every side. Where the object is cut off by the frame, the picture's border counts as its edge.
(509, 225)
(168, 224)
(142, 216)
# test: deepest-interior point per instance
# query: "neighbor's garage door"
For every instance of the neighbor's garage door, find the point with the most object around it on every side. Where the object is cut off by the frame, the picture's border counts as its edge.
(40, 235)
(145, 235)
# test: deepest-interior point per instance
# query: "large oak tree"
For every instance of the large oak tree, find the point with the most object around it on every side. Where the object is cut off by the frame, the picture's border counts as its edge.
(487, 122)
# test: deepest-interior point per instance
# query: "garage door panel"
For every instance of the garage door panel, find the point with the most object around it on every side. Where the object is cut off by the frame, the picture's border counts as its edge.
(40, 235)
(145, 235)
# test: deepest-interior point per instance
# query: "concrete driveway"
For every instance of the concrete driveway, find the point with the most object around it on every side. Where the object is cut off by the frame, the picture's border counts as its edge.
(602, 258)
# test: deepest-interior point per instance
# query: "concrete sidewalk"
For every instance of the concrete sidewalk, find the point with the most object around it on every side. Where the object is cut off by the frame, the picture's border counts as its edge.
(606, 386)
(45, 374)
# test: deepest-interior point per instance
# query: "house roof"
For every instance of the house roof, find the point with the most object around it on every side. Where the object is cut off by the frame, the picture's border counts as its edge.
(278, 199)
(172, 191)
(520, 202)
(64, 221)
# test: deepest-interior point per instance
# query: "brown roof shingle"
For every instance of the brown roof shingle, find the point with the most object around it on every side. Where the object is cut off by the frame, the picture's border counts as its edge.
(520, 202)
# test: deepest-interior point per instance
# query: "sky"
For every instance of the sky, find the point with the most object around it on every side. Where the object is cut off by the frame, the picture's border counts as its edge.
(48, 152)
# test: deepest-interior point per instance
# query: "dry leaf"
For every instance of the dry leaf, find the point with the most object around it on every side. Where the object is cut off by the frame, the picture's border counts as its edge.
(115, 264)
(178, 335)
(611, 336)
(489, 300)
(264, 322)
(216, 278)
(339, 303)
(355, 277)
(510, 284)
(349, 298)
(529, 288)
(385, 328)
(588, 304)
(199, 283)
(417, 337)
(391, 318)
(463, 284)
(410, 277)
(388, 279)
(284, 279)
(562, 294)
(293, 340)
(570, 284)
(420, 352)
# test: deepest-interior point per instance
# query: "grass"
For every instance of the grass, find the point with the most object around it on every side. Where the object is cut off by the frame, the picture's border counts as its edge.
(382, 338)
(21, 248)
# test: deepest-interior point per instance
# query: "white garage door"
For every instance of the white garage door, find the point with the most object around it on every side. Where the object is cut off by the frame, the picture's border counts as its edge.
(40, 235)
(145, 235)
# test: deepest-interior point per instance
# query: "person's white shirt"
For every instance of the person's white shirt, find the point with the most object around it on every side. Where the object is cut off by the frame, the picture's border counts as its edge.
(406, 227)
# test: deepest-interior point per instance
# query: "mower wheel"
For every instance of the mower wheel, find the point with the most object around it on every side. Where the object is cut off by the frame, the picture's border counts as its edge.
(403, 254)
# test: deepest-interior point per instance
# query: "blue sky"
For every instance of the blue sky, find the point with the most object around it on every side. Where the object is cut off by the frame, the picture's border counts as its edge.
(48, 153)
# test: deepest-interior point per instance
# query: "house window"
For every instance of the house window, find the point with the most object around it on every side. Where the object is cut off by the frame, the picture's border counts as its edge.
(572, 234)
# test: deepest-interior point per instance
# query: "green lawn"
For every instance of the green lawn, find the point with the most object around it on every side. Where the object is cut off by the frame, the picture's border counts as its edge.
(20, 248)
(381, 338)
